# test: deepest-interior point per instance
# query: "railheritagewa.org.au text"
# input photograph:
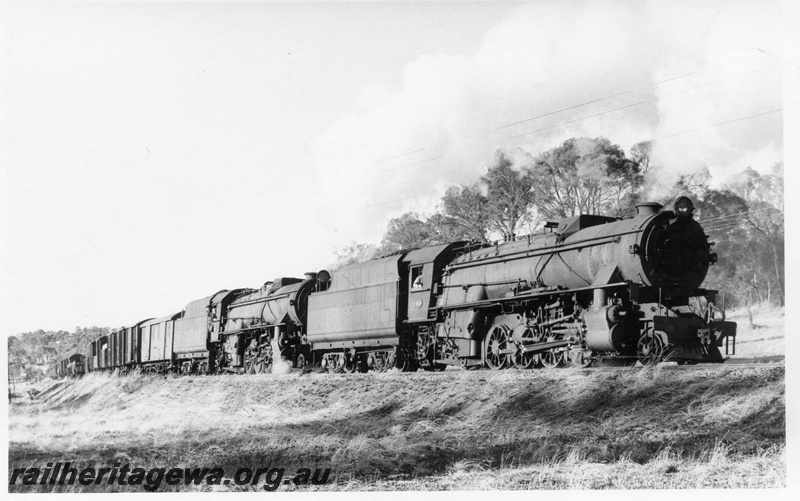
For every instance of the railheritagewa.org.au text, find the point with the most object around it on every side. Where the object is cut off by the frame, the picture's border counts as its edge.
(269, 478)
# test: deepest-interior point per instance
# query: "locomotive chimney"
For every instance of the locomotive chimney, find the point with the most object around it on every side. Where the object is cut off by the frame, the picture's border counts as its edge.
(310, 275)
(647, 208)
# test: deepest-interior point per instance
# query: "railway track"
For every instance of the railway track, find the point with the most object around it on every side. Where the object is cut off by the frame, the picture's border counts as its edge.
(731, 364)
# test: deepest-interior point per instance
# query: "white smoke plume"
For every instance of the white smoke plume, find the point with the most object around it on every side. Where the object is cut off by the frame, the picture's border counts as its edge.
(741, 44)
(601, 63)
(279, 365)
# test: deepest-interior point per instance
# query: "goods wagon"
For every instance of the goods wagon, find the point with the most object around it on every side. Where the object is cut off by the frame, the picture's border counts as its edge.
(156, 337)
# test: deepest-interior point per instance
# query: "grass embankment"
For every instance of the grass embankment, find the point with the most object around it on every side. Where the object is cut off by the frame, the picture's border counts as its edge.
(598, 428)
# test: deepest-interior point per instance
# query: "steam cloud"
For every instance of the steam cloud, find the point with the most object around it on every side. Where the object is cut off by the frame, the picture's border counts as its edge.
(407, 142)
(279, 365)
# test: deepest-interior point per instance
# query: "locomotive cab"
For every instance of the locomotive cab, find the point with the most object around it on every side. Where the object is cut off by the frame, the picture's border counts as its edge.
(425, 268)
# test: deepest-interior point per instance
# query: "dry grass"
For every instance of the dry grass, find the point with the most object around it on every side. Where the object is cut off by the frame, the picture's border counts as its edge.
(766, 337)
(560, 429)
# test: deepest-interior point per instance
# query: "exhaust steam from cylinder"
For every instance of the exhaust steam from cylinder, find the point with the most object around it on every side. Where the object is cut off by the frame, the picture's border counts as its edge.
(279, 365)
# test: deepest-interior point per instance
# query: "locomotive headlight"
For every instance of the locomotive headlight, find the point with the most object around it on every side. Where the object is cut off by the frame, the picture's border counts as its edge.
(683, 207)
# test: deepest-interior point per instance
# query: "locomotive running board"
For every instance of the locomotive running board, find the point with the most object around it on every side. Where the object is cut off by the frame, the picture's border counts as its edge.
(488, 303)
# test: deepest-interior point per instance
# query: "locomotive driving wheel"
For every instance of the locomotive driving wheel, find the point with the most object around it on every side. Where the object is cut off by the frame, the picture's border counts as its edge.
(257, 357)
(523, 335)
(266, 357)
(552, 358)
(495, 345)
(251, 357)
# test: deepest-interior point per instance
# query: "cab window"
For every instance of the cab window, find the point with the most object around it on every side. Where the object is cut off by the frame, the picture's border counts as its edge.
(416, 277)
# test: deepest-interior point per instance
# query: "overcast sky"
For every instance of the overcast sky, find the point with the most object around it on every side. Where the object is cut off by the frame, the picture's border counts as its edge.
(156, 154)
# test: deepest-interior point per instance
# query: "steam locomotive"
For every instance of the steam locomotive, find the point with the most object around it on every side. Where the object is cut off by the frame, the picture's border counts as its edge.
(589, 290)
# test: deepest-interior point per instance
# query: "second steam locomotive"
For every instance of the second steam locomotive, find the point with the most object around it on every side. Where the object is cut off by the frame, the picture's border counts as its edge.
(590, 290)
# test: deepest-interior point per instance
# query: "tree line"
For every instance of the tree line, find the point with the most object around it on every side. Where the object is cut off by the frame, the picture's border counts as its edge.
(35, 351)
(520, 192)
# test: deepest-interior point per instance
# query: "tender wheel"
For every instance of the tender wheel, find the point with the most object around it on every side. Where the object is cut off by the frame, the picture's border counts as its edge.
(496, 343)
(332, 363)
(340, 363)
(376, 362)
(525, 335)
(391, 361)
(552, 358)
(350, 362)
(650, 349)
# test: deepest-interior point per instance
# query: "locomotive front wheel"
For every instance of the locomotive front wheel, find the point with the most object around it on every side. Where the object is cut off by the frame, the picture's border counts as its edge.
(650, 349)
(300, 363)
(496, 344)
(580, 357)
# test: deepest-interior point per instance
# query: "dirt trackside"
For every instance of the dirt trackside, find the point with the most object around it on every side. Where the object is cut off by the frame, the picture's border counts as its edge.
(566, 428)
